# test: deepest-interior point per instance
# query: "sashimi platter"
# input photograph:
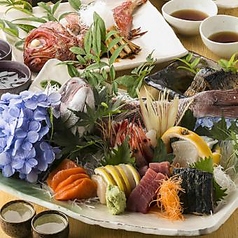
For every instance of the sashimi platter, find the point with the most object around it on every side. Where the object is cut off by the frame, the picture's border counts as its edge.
(151, 151)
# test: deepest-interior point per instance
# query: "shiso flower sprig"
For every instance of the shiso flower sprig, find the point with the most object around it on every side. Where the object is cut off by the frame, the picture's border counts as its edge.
(24, 130)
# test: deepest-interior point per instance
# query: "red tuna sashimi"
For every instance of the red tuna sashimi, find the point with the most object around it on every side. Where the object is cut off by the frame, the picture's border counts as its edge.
(161, 167)
(142, 195)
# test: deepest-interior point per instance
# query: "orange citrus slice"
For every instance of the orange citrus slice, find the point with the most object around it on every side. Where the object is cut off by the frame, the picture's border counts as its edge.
(200, 144)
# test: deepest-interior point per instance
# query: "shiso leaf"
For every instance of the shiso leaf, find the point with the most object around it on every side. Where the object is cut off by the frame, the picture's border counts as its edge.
(160, 153)
(120, 155)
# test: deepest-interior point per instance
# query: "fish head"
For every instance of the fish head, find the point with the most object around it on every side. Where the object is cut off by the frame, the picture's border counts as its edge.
(76, 93)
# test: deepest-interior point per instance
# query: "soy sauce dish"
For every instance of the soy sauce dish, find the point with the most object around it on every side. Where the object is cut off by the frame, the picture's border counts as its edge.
(14, 77)
(15, 218)
(220, 35)
(50, 223)
(185, 16)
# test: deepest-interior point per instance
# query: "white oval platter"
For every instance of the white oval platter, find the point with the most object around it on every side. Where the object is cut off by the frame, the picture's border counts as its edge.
(97, 214)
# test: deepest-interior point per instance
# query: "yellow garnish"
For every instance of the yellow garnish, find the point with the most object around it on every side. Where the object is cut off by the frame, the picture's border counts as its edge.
(159, 115)
(106, 176)
(202, 147)
(116, 176)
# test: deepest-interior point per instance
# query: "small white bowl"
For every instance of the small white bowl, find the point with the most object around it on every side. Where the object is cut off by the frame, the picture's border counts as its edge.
(187, 27)
(217, 24)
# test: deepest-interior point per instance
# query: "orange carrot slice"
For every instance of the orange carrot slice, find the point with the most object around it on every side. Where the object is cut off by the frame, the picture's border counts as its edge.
(65, 164)
(64, 174)
(70, 180)
(80, 189)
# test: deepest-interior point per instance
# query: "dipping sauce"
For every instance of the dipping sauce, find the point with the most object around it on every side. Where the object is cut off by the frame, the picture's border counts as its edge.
(224, 37)
(50, 224)
(11, 78)
(190, 14)
(17, 212)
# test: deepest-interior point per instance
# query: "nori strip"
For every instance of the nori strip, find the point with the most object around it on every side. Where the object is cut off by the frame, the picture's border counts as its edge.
(198, 195)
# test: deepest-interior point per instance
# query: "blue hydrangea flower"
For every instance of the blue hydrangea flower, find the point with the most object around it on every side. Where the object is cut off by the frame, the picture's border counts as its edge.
(24, 125)
(208, 122)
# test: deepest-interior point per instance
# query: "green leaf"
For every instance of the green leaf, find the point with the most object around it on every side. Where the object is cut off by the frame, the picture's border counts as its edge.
(25, 27)
(229, 65)
(88, 41)
(72, 70)
(81, 60)
(113, 43)
(19, 44)
(188, 120)
(219, 130)
(55, 7)
(31, 19)
(204, 165)
(75, 4)
(115, 54)
(120, 155)
(160, 153)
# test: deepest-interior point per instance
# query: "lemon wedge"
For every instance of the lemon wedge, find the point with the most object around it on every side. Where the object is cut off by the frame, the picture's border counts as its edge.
(185, 134)
(128, 175)
(116, 176)
(106, 176)
(134, 172)
(124, 179)
(202, 148)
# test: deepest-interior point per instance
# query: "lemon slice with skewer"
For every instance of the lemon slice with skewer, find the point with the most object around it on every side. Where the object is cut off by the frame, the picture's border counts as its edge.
(202, 148)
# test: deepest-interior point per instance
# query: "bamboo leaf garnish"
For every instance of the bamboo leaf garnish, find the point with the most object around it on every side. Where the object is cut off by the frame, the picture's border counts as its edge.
(190, 64)
(75, 4)
(230, 64)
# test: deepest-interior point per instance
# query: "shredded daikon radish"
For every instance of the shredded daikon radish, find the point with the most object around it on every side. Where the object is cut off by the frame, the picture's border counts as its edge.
(101, 8)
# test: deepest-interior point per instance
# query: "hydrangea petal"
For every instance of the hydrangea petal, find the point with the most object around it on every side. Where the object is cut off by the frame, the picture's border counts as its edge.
(8, 171)
(5, 159)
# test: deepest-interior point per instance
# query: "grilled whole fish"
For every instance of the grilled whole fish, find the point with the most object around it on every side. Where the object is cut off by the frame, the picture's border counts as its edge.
(182, 82)
(50, 40)
(210, 79)
(211, 103)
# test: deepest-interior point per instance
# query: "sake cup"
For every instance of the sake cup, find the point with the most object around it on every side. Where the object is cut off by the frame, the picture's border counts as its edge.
(15, 218)
(50, 224)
